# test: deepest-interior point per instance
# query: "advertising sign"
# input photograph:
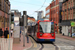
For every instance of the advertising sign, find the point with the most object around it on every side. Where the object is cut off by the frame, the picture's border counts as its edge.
(16, 27)
(72, 23)
(16, 21)
(16, 32)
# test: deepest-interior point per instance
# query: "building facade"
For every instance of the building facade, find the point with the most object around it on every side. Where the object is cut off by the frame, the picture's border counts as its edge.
(53, 12)
(40, 15)
(68, 16)
(31, 21)
(4, 17)
(48, 12)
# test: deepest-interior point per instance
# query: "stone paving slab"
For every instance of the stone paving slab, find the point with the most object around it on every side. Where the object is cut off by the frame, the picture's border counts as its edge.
(65, 37)
(20, 45)
(5, 45)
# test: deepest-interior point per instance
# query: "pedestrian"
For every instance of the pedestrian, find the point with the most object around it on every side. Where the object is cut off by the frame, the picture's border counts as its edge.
(22, 32)
(20, 35)
(6, 32)
(27, 34)
(27, 37)
(1, 33)
(11, 32)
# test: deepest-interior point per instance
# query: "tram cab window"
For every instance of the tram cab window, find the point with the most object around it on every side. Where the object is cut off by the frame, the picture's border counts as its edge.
(46, 27)
(41, 30)
(36, 27)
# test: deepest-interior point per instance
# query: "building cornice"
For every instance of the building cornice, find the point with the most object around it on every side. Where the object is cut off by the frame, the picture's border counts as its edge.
(54, 6)
(3, 11)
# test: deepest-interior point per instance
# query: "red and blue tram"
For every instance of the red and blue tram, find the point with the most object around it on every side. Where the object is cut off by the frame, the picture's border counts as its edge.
(44, 31)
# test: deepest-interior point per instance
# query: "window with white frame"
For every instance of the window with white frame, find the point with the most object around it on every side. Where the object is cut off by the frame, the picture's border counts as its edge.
(48, 11)
(47, 16)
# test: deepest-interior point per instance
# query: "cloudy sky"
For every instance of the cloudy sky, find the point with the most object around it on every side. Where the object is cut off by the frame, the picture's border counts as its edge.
(30, 6)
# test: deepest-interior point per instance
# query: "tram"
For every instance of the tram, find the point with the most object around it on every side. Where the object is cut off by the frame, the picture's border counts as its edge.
(44, 31)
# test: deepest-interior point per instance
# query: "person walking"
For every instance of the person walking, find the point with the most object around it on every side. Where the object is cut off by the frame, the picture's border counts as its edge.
(1, 33)
(6, 32)
(20, 35)
(11, 32)
(27, 34)
(27, 37)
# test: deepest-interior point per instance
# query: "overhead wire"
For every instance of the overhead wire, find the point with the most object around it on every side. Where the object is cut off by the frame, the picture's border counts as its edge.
(32, 4)
(39, 8)
(27, 3)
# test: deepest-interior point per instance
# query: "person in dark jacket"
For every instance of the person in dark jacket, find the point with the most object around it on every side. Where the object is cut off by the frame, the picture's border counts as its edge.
(1, 33)
(6, 32)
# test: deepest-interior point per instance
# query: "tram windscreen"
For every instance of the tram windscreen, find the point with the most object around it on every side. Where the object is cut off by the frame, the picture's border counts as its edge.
(46, 27)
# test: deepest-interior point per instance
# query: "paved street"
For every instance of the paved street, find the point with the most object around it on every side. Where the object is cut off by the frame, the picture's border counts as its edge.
(65, 44)
(61, 44)
(35, 45)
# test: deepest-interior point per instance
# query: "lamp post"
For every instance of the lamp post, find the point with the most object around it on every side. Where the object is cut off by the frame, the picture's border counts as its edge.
(25, 26)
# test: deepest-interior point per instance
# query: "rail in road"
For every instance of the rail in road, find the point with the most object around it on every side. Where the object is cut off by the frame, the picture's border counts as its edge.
(42, 45)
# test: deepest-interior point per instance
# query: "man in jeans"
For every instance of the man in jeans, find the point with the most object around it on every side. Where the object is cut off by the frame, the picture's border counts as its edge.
(27, 37)
(27, 34)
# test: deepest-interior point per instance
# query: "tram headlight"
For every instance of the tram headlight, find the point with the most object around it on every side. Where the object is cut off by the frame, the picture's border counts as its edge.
(52, 34)
(40, 34)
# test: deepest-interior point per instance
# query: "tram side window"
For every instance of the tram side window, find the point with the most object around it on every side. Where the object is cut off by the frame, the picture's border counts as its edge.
(41, 30)
(36, 28)
(52, 28)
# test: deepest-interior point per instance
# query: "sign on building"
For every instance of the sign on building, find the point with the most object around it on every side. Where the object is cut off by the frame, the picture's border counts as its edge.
(72, 23)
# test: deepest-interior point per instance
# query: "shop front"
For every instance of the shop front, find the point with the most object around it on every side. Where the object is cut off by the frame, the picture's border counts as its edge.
(73, 28)
(69, 31)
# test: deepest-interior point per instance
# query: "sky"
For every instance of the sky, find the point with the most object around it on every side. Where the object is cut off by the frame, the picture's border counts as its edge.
(30, 6)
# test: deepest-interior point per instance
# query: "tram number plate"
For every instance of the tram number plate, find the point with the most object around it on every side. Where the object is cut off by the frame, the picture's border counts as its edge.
(47, 39)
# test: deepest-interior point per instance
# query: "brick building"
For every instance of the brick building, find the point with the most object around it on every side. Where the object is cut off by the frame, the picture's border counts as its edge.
(31, 19)
(4, 9)
(53, 11)
(48, 12)
(68, 15)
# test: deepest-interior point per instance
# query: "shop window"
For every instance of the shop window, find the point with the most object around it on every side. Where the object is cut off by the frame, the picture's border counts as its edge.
(73, 29)
(73, 2)
(66, 15)
(73, 13)
(68, 4)
(63, 16)
(65, 5)
(0, 4)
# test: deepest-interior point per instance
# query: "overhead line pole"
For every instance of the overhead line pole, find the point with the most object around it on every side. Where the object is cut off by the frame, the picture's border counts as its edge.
(25, 26)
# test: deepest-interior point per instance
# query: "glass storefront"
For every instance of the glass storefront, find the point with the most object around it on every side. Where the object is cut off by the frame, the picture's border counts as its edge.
(69, 31)
(73, 28)
(73, 31)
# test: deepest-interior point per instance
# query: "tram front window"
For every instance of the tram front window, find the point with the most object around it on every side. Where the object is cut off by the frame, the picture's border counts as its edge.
(46, 27)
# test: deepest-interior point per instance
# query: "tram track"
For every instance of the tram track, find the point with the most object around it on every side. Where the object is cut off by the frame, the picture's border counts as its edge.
(42, 46)
(56, 48)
